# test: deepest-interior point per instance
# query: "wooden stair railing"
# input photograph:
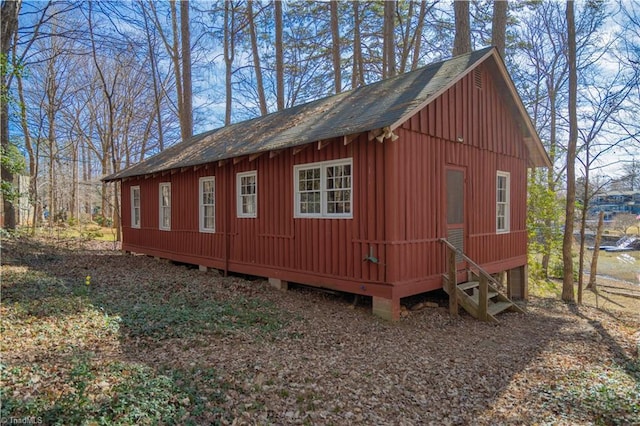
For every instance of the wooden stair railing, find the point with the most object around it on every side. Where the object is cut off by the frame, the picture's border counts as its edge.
(485, 300)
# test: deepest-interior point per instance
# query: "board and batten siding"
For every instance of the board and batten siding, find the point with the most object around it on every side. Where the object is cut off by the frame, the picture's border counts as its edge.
(470, 126)
(398, 206)
(326, 252)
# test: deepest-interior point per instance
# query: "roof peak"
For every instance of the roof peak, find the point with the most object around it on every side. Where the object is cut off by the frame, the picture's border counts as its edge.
(385, 103)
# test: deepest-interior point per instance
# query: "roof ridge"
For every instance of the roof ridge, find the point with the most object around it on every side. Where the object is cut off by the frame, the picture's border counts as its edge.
(380, 104)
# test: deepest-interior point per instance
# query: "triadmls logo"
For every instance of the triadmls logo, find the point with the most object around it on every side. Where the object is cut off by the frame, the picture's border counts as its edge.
(27, 420)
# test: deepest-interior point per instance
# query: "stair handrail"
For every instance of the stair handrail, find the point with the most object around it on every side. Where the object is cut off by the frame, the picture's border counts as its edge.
(470, 261)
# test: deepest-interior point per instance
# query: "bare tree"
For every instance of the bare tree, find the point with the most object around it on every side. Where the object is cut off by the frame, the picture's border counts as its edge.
(411, 27)
(567, 243)
(154, 76)
(9, 22)
(389, 54)
(108, 89)
(186, 118)
(54, 91)
(603, 102)
(596, 252)
(417, 37)
(462, 41)
(229, 54)
(542, 73)
(174, 48)
(335, 38)
(357, 74)
(262, 100)
(279, 56)
(625, 221)
(499, 26)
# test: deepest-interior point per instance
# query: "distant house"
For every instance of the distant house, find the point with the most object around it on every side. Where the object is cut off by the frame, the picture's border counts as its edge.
(614, 202)
(23, 210)
(353, 192)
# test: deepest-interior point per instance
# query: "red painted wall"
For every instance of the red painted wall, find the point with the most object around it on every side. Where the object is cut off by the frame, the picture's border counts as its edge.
(398, 204)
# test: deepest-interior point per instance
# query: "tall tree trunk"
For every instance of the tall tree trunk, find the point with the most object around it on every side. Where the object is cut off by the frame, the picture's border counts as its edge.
(228, 57)
(37, 204)
(175, 56)
(52, 193)
(407, 38)
(73, 204)
(279, 57)
(548, 225)
(156, 89)
(567, 243)
(110, 149)
(499, 25)
(462, 40)
(9, 25)
(417, 44)
(86, 177)
(28, 143)
(596, 252)
(357, 76)
(389, 56)
(583, 228)
(186, 119)
(262, 100)
(51, 96)
(335, 42)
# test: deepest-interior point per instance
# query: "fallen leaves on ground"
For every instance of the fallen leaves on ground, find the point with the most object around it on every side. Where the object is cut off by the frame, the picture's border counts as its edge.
(150, 341)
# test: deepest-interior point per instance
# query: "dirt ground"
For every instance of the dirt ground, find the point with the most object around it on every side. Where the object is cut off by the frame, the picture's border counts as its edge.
(328, 361)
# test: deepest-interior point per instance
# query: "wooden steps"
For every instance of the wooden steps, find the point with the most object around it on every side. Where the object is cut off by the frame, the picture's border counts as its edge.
(479, 294)
(490, 295)
(496, 308)
(468, 295)
(469, 285)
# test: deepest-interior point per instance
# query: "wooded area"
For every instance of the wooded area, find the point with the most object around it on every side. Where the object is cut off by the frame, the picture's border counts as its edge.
(89, 88)
(95, 335)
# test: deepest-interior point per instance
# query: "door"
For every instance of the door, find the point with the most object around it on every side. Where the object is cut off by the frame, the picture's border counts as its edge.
(455, 211)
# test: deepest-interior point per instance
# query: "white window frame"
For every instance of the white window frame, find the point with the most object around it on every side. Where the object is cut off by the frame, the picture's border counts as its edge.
(507, 203)
(201, 205)
(134, 223)
(324, 202)
(241, 196)
(162, 209)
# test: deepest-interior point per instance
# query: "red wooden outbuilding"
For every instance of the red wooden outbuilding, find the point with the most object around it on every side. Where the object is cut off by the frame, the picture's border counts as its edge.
(355, 192)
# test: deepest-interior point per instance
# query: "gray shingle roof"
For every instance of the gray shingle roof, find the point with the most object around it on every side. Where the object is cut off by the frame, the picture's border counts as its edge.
(385, 103)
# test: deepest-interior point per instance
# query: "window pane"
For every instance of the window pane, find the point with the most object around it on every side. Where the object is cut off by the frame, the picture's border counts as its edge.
(309, 190)
(209, 220)
(248, 204)
(338, 186)
(502, 202)
(502, 189)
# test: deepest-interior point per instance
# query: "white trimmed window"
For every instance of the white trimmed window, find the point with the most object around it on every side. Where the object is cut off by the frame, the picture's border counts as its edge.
(503, 201)
(135, 207)
(247, 187)
(207, 197)
(165, 206)
(323, 189)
